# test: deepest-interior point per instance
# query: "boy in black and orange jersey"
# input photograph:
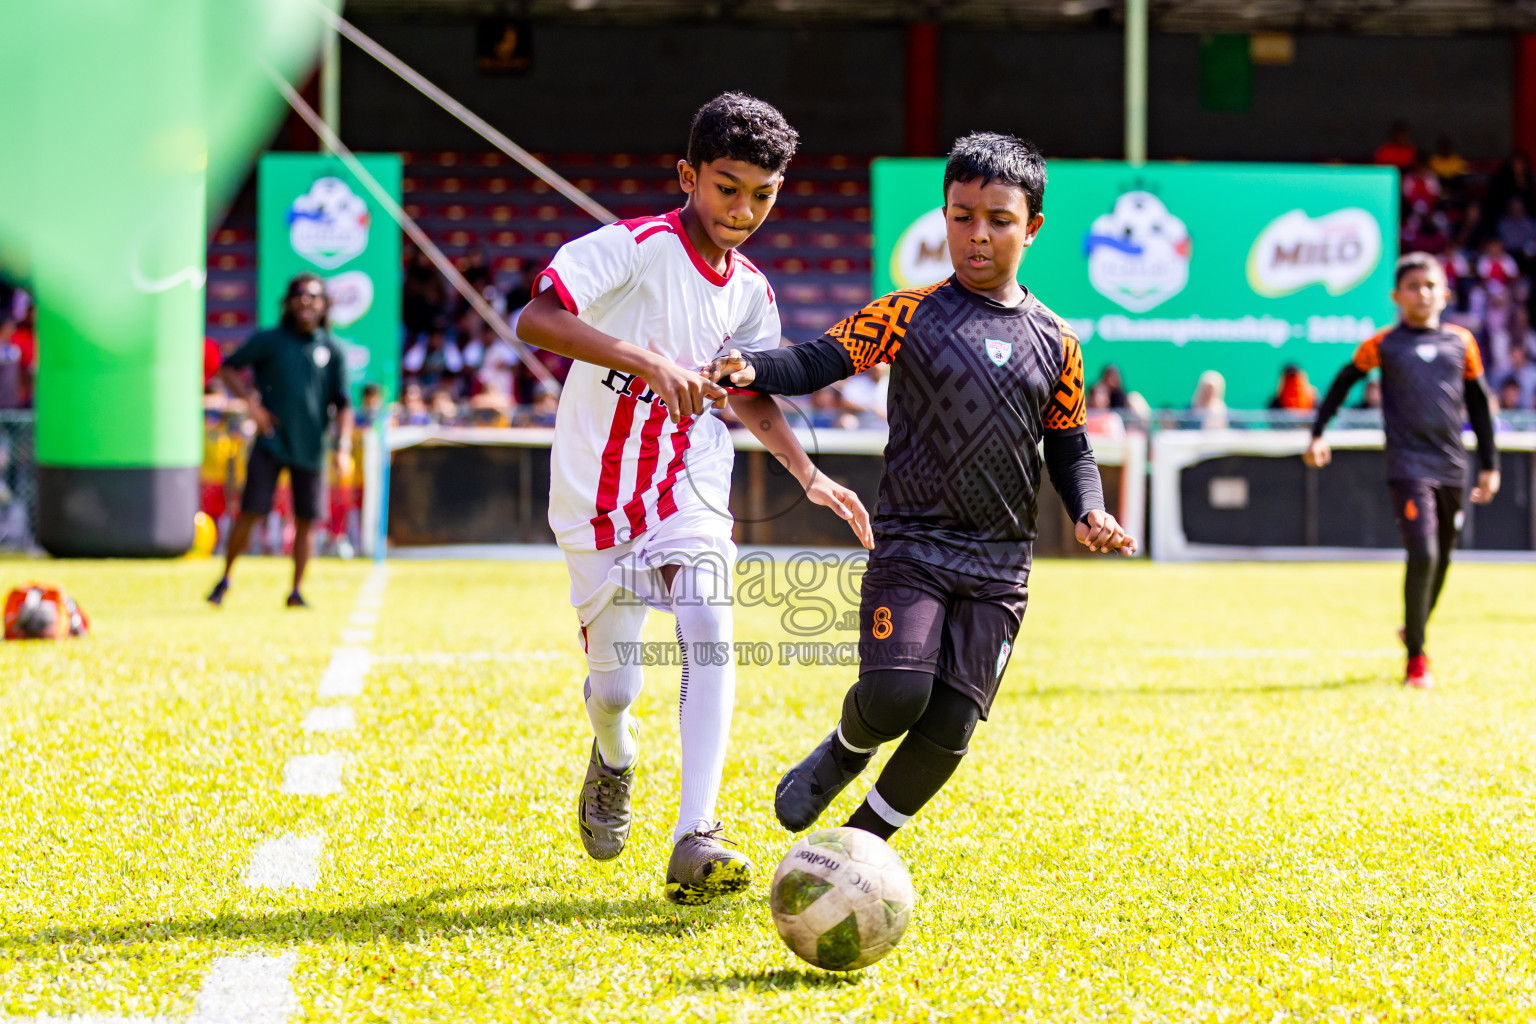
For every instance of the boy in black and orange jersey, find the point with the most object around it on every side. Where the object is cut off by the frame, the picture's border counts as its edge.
(1431, 383)
(981, 373)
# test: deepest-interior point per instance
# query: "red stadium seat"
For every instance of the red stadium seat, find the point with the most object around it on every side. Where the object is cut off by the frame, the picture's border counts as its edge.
(502, 213)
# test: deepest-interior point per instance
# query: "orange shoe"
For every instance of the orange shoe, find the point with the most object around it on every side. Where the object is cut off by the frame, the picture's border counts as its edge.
(1418, 675)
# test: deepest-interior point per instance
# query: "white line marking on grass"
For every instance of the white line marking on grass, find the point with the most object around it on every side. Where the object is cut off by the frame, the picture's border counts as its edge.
(452, 657)
(344, 676)
(313, 774)
(336, 718)
(1275, 652)
(363, 618)
(357, 636)
(248, 990)
(288, 862)
(235, 990)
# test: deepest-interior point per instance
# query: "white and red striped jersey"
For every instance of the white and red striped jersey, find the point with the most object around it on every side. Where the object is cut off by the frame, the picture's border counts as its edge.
(619, 465)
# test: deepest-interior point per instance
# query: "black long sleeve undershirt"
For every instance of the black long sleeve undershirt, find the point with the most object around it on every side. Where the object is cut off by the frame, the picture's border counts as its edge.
(800, 369)
(1074, 473)
(1480, 415)
(1339, 390)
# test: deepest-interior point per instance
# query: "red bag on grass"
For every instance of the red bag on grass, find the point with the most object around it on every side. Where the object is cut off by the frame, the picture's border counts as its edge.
(42, 611)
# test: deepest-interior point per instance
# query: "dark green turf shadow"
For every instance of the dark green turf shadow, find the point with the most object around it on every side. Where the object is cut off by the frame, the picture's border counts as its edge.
(406, 920)
(786, 980)
(1052, 692)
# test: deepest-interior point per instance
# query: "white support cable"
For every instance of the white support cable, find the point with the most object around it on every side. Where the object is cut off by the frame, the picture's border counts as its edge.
(464, 114)
(442, 263)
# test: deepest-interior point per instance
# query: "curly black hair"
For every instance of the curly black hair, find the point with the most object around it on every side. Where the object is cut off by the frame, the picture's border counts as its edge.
(735, 126)
(994, 157)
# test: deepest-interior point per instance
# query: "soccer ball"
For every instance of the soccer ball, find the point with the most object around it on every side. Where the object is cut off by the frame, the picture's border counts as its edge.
(841, 899)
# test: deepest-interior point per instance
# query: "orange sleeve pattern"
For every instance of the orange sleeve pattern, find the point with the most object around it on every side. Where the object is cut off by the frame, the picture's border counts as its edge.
(1474, 366)
(1068, 406)
(1368, 355)
(874, 334)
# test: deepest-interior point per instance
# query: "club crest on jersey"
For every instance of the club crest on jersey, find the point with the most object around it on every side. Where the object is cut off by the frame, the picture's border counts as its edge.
(1002, 658)
(1427, 351)
(999, 351)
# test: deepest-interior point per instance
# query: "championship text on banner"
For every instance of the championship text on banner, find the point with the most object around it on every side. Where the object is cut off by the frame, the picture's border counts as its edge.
(1168, 270)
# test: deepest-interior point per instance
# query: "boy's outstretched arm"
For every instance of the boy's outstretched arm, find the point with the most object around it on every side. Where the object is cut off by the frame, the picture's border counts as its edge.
(796, 370)
(546, 323)
(762, 415)
(1318, 453)
(1480, 415)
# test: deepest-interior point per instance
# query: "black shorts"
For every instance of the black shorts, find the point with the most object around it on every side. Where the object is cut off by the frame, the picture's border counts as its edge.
(959, 628)
(1425, 509)
(261, 483)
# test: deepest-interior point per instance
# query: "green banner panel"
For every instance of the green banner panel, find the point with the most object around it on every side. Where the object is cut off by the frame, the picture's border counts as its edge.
(1171, 269)
(314, 215)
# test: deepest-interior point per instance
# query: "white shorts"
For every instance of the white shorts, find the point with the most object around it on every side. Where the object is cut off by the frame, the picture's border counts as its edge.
(631, 572)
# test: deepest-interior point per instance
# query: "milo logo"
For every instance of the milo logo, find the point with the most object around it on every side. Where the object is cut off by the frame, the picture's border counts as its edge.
(1338, 251)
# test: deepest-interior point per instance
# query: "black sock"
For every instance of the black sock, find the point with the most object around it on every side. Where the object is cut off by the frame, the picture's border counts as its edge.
(1418, 587)
(922, 764)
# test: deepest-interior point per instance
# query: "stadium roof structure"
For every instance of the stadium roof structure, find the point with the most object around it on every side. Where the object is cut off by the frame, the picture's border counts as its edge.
(1386, 17)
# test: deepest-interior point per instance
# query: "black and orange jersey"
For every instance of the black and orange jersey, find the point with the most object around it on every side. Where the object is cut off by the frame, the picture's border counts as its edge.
(1431, 381)
(975, 386)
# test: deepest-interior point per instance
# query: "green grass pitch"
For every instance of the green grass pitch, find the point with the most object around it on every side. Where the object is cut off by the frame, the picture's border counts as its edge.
(1202, 796)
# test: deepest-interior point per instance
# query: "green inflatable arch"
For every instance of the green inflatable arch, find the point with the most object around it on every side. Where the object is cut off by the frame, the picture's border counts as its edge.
(130, 125)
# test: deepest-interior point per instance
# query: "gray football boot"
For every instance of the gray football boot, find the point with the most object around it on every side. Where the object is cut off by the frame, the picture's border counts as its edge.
(602, 809)
(703, 869)
(809, 788)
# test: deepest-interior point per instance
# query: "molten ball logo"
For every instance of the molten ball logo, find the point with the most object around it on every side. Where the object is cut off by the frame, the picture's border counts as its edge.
(1337, 251)
(1138, 253)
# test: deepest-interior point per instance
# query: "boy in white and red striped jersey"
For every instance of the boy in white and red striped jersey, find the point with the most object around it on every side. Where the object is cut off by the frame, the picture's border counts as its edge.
(640, 470)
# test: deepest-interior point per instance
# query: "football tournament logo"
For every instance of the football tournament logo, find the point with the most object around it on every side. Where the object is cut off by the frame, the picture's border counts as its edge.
(1338, 251)
(328, 225)
(999, 351)
(1138, 252)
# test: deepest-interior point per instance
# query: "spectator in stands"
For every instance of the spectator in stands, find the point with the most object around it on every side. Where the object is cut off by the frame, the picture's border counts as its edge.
(1113, 384)
(1509, 394)
(1208, 407)
(546, 402)
(434, 361)
(422, 298)
(1447, 163)
(1102, 420)
(1130, 404)
(1512, 180)
(1517, 231)
(1495, 267)
(1522, 374)
(213, 358)
(1421, 187)
(1398, 150)
(413, 407)
(1295, 393)
(445, 409)
(23, 341)
(497, 369)
(1370, 396)
(864, 394)
(372, 407)
(13, 369)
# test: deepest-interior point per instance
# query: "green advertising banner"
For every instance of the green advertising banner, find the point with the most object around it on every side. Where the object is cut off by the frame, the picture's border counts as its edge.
(315, 215)
(1168, 270)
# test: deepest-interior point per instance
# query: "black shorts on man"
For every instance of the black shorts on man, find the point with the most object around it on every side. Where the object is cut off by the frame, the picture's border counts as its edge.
(261, 475)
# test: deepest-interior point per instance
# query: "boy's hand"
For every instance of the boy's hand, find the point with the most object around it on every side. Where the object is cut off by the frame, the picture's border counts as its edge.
(842, 500)
(266, 423)
(1487, 486)
(732, 365)
(1099, 531)
(343, 457)
(685, 392)
(1318, 454)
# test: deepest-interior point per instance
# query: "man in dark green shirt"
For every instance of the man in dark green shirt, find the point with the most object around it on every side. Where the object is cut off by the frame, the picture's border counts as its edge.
(301, 380)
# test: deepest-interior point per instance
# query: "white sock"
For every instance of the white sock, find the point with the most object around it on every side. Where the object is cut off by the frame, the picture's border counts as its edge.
(706, 698)
(608, 697)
